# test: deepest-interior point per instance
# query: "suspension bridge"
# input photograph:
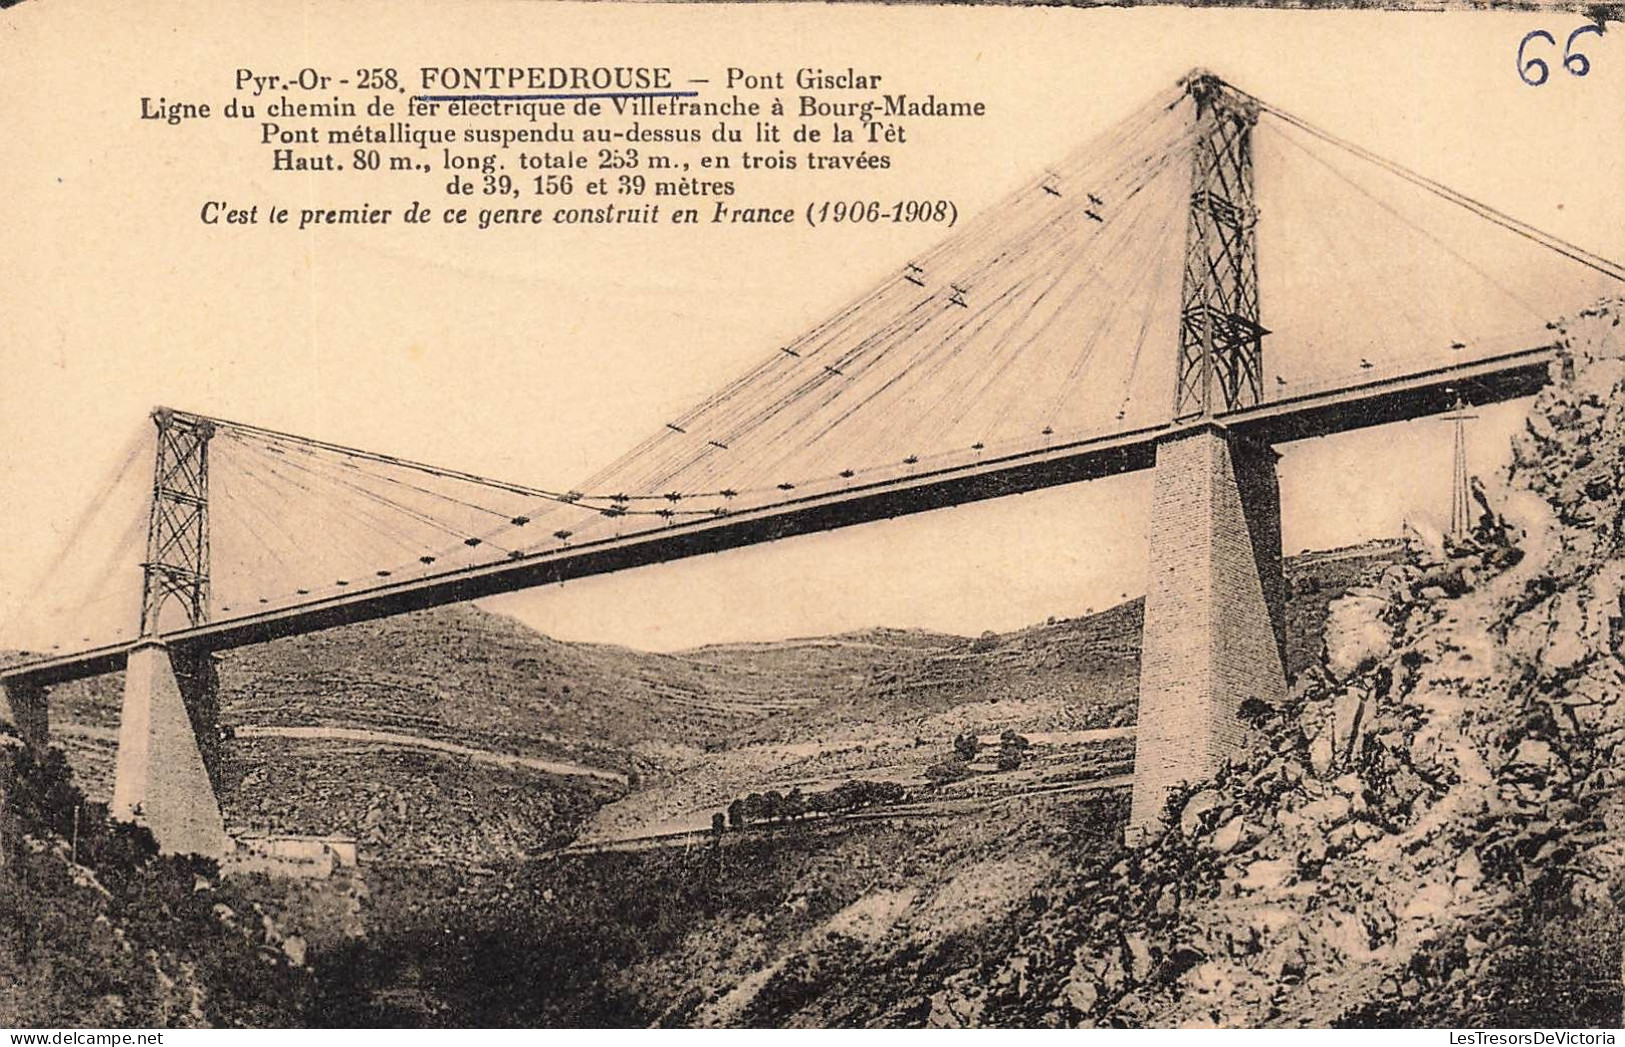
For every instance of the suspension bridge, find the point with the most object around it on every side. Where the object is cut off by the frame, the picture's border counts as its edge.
(1106, 317)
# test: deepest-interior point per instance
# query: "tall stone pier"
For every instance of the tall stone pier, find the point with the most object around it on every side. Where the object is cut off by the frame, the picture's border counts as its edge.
(1215, 628)
(161, 779)
(27, 706)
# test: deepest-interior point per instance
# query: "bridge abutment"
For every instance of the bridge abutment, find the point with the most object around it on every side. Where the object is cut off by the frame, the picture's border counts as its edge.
(161, 779)
(1215, 628)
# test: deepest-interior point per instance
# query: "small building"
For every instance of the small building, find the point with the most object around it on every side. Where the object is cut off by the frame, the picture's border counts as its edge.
(300, 857)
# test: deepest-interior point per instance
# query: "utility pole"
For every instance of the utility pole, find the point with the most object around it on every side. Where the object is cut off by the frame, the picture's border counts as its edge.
(1461, 498)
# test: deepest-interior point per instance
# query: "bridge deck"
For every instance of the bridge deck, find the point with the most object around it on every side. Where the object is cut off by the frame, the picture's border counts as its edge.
(1378, 401)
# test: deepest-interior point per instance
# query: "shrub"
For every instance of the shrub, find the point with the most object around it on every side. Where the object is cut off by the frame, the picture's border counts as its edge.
(948, 771)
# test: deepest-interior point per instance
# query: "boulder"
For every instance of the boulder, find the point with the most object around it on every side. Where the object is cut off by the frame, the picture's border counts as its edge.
(1346, 933)
(1139, 956)
(1349, 716)
(1329, 812)
(1133, 1008)
(1210, 977)
(1266, 874)
(1321, 754)
(1108, 971)
(1467, 874)
(1532, 754)
(1425, 750)
(1288, 960)
(1405, 785)
(1200, 803)
(1351, 786)
(1343, 837)
(1429, 903)
(1081, 993)
(1357, 635)
(1426, 540)
(1230, 835)
(1565, 641)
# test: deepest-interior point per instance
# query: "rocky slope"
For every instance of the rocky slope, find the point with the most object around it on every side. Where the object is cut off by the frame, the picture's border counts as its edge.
(1429, 832)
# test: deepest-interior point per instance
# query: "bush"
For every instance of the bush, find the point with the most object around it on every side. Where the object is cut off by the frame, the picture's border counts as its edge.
(1012, 747)
(776, 807)
(948, 771)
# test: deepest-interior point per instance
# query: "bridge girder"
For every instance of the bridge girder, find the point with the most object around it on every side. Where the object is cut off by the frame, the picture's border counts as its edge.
(1375, 402)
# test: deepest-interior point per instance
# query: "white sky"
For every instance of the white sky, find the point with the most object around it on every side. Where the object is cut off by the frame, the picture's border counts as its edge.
(540, 355)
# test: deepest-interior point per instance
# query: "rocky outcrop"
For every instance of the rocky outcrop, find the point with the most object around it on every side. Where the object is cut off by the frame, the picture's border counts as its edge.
(1449, 767)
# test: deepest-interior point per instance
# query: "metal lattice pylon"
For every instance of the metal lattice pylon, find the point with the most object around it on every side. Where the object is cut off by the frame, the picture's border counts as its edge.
(1220, 339)
(177, 563)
